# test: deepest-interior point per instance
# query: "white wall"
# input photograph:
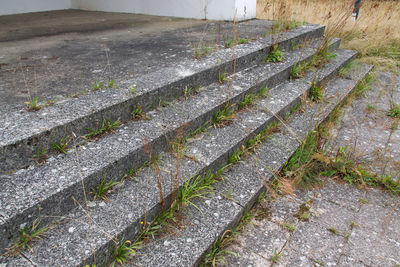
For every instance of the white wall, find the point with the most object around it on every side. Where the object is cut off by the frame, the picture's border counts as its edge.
(24, 6)
(199, 9)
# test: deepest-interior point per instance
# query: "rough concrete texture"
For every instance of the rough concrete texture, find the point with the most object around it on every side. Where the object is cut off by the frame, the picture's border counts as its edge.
(53, 184)
(372, 137)
(361, 229)
(146, 69)
(128, 224)
(348, 226)
(260, 166)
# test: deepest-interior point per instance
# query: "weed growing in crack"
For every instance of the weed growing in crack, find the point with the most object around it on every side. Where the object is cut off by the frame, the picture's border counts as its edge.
(97, 86)
(27, 236)
(195, 187)
(111, 84)
(219, 249)
(275, 256)
(139, 114)
(247, 101)
(103, 188)
(33, 104)
(222, 78)
(106, 126)
(62, 146)
(275, 55)
(288, 226)
(189, 91)
(223, 117)
(298, 70)
(363, 86)
(40, 156)
(316, 92)
(121, 252)
(394, 111)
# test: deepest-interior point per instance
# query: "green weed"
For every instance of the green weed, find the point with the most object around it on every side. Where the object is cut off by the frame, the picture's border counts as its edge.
(121, 252)
(103, 188)
(315, 93)
(111, 84)
(275, 55)
(27, 236)
(97, 86)
(139, 114)
(41, 156)
(106, 126)
(33, 104)
(62, 146)
(394, 111)
(223, 77)
(223, 117)
(247, 101)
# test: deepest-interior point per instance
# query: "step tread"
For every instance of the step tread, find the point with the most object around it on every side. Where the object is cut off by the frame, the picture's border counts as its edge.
(126, 207)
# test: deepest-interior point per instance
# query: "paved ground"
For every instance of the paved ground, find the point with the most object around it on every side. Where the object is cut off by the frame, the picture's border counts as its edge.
(347, 226)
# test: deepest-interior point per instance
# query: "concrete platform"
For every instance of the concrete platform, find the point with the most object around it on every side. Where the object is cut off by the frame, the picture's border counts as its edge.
(59, 53)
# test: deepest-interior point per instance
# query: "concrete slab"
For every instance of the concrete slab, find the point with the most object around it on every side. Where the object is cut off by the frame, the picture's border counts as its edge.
(60, 53)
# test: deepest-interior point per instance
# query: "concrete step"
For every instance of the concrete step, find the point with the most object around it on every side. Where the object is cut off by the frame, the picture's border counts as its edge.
(57, 185)
(23, 132)
(244, 182)
(95, 227)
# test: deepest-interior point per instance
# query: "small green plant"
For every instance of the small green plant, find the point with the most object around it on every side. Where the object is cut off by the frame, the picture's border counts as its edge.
(315, 93)
(61, 147)
(196, 186)
(189, 91)
(27, 236)
(228, 43)
(297, 71)
(33, 104)
(288, 226)
(106, 126)
(275, 55)
(222, 78)
(103, 188)
(41, 156)
(111, 84)
(121, 252)
(362, 200)
(275, 256)
(333, 231)
(247, 101)
(235, 156)
(243, 41)
(133, 90)
(394, 111)
(201, 50)
(263, 92)
(370, 108)
(139, 114)
(223, 117)
(97, 86)
(363, 86)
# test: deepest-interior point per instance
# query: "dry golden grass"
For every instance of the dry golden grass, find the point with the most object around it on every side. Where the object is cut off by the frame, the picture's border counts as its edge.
(375, 35)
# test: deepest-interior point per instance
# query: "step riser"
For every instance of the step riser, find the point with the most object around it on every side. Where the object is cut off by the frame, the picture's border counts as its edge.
(62, 202)
(20, 153)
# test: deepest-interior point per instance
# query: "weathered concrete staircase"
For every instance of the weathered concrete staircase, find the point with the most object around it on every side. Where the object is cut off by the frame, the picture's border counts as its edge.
(84, 231)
